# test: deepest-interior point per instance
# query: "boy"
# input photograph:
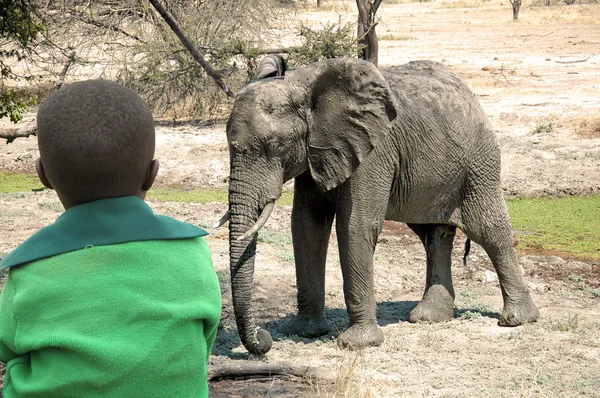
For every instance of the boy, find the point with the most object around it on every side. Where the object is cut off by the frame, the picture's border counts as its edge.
(111, 300)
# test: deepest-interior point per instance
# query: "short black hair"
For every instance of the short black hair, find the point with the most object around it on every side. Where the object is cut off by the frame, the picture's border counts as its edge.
(96, 140)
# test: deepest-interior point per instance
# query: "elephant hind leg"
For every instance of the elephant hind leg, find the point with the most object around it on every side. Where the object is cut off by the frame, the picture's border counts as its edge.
(437, 304)
(486, 221)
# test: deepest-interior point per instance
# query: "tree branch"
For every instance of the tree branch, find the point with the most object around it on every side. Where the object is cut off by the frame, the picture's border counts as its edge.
(275, 50)
(61, 77)
(371, 27)
(11, 134)
(188, 44)
(111, 27)
(375, 6)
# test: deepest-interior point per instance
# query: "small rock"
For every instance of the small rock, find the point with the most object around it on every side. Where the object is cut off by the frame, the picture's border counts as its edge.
(555, 260)
(538, 287)
(24, 157)
(489, 276)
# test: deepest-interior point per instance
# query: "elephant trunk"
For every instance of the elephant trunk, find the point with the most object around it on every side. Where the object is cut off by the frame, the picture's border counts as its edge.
(244, 212)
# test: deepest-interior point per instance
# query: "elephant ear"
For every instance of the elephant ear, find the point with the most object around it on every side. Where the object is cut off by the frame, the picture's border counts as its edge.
(349, 111)
(270, 66)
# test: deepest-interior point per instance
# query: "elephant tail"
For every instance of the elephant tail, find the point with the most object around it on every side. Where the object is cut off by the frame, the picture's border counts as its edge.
(467, 250)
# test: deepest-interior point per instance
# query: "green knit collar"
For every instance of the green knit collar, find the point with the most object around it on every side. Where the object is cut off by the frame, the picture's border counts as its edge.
(98, 223)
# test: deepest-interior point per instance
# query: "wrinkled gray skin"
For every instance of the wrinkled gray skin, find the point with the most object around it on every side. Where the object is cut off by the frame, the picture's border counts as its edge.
(422, 152)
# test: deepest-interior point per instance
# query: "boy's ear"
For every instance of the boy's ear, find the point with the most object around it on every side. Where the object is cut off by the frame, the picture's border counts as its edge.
(150, 175)
(39, 167)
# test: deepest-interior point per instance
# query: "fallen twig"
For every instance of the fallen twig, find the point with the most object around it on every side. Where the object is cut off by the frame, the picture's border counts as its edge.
(533, 34)
(252, 369)
(537, 373)
(572, 62)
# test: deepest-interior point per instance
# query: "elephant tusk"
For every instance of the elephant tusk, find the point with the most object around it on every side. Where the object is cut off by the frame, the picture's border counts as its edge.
(262, 220)
(223, 220)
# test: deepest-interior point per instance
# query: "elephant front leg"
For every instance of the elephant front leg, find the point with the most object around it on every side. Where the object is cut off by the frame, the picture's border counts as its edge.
(437, 304)
(357, 237)
(312, 218)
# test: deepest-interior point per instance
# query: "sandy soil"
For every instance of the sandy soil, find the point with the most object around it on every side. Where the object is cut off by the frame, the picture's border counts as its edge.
(535, 102)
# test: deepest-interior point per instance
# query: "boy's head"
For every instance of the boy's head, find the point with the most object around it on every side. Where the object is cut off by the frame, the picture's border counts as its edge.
(96, 141)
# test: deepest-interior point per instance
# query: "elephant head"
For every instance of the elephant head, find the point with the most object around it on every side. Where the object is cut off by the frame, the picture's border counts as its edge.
(324, 118)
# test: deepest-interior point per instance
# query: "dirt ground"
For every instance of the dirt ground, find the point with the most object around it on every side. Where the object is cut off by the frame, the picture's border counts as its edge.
(538, 79)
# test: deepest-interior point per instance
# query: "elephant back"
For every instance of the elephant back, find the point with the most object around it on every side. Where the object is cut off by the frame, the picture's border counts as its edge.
(431, 95)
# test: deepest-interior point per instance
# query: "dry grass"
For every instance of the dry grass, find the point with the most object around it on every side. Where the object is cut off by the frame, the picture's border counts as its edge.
(574, 14)
(337, 6)
(395, 37)
(352, 380)
(587, 127)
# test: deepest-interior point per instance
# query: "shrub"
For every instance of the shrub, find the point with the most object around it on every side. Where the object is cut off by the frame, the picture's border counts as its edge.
(332, 40)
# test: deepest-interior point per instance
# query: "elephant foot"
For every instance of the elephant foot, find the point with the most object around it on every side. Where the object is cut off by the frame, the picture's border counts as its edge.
(309, 327)
(437, 306)
(361, 336)
(515, 314)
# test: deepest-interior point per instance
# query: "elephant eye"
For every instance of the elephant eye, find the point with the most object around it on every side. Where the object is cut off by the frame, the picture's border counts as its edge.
(273, 148)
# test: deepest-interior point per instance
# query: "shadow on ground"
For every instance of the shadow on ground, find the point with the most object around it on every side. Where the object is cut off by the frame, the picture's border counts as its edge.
(388, 313)
(228, 340)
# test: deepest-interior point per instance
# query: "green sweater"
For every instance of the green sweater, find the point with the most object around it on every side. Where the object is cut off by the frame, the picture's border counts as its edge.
(128, 307)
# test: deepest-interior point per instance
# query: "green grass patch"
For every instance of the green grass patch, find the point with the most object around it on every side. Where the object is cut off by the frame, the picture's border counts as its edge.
(563, 226)
(279, 239)
(204, 196)
(193, 196)
(19, 182)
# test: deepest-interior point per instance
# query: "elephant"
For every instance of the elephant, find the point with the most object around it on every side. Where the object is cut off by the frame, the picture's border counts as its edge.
(409, 144)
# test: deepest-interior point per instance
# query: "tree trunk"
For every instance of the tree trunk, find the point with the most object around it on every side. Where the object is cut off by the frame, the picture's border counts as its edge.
(366, 29)
(516, 6)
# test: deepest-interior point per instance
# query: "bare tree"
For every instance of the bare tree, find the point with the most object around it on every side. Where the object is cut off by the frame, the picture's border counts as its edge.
(366, 29)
